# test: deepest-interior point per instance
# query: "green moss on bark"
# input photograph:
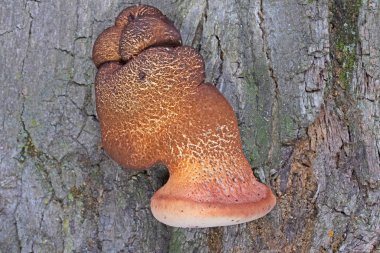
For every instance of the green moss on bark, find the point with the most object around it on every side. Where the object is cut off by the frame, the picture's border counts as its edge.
(256, 128)
(176, 241)
(288, 128)
(344, 39)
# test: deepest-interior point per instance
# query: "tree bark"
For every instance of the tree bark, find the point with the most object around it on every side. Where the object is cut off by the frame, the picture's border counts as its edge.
(303, 77)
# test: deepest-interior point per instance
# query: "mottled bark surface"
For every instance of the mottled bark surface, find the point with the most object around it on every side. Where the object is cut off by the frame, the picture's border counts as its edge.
(302, 76)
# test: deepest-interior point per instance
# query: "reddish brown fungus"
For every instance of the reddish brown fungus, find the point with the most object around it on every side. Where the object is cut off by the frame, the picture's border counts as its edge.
(154, 107)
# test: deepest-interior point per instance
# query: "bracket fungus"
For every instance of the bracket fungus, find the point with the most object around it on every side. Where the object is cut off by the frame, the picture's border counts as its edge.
(154, 107)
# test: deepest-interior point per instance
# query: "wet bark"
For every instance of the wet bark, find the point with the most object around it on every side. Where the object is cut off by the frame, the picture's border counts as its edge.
(303, 78)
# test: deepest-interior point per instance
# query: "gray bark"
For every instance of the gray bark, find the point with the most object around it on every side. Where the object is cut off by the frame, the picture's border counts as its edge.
(303, 77)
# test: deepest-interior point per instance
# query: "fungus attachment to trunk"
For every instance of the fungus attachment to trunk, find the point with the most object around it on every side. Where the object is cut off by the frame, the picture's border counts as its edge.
(155, 108)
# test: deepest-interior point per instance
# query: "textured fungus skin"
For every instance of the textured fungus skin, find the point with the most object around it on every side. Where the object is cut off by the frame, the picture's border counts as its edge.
(154, 107)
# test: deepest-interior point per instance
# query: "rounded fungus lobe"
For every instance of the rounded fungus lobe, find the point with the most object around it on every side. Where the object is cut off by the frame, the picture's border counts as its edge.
(154, 107)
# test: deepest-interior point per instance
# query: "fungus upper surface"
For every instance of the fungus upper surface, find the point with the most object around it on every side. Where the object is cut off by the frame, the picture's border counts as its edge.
(154, 107)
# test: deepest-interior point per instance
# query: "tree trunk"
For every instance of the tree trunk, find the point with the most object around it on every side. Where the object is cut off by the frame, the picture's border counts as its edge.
(303, 77)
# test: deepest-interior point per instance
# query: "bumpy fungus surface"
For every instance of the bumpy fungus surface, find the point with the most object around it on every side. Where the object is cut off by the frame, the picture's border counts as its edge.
(154, 107)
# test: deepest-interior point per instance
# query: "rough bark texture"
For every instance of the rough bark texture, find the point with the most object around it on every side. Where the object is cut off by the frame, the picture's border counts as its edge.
(302, 76)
